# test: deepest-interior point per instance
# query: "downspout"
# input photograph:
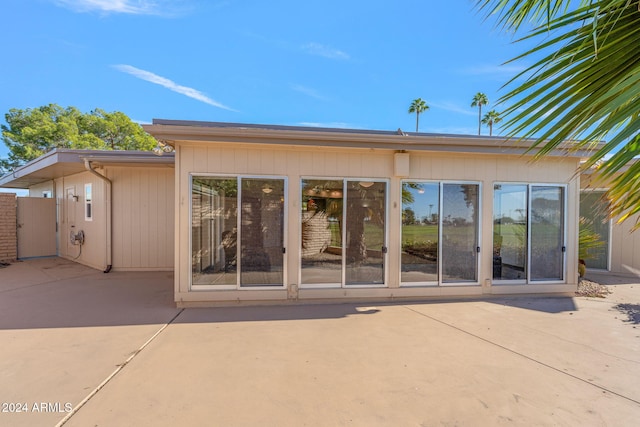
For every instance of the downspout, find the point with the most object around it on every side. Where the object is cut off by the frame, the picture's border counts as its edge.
(88, 167)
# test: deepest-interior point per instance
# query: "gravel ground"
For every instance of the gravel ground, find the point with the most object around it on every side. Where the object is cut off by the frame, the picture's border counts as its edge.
(587, 288)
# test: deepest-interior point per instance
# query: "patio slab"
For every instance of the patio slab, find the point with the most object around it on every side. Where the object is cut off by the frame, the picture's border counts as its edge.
(503, 361)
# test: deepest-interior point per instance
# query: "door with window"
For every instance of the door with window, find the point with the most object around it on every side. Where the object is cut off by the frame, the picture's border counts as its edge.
(343, 232)
(440, 233)
(237, 232)
(528, 233)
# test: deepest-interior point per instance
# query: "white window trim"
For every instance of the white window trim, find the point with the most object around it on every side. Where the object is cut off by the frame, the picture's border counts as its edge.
(237, 286)
(343, 283)
(439, 282)
(88, 202)
(565, 199)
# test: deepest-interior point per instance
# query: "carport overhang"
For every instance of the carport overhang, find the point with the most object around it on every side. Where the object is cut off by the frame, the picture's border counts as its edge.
(59, 163)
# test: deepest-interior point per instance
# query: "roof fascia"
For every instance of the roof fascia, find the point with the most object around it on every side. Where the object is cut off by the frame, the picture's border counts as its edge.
(364, 140)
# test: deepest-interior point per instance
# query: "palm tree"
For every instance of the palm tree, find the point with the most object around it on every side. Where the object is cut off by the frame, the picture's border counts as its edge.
(583, 86)
(490, 119)
(479, 99)
(418, 106)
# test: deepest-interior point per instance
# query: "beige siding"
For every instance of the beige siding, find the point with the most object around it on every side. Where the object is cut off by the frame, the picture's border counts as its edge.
(625, 248)
(38, 189)
(143, 228)
(71, 217)
(298, 162)
(36, 227)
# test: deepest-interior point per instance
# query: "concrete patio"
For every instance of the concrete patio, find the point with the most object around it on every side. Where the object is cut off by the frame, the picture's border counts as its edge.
(80, 347)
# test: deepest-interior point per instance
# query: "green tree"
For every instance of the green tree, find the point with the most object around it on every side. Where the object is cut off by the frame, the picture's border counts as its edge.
(32, 132)
(491, 118)
(479, 99)
(418, 106)
(583, 86)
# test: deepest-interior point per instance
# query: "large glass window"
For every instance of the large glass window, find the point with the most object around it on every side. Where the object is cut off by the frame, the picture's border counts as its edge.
(510, 232)
(321, 253)
(528, 232)
(218, 225)
(440, 230)
(594, 219)
(214, 231)
(343, 232)
(547, 233)
(365, 232)
(262, 232)
(460, 206)
(420, 232)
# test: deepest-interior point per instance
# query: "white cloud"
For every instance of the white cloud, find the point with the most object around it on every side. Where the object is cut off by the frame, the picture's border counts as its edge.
(454, 108)
(169, 84)
(132, 7)
(325, 51)
(308, 91)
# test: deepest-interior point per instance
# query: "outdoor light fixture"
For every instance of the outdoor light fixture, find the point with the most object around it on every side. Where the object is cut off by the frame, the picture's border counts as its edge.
(162, 148)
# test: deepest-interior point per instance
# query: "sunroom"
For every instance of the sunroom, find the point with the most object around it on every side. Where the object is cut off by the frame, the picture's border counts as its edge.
(276, 213)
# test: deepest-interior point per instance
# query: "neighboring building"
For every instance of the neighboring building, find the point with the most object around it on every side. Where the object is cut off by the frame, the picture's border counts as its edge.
(263, 213)
(114, 209)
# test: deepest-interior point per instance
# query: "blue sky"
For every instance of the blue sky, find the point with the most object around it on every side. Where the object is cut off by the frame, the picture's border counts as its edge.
(315, 63)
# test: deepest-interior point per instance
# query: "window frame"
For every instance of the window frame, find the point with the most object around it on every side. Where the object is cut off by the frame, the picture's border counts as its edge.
(564, 218)
(385, 256)
(479, 227)
(238, 285)
(88, 202)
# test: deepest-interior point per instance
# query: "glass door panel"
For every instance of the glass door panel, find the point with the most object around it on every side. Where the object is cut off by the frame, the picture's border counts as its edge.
(547, 233)
(214, 231)
(365, 246)
(262, 232)
(321, 219)
(510, 232)
(420, 206)
(593, 218)
(459, 232)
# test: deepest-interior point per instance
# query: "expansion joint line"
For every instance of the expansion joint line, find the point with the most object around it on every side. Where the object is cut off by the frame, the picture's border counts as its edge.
(114, 373)
(525, 356)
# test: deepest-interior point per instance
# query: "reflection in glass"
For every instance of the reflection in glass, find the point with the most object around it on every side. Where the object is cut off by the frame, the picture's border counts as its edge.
(214, 231)
(262, 232)
(365, 232)
(459, 232)
(593, 217)
(509, 232)
(321, 232)
(547, 233)
(420, 202)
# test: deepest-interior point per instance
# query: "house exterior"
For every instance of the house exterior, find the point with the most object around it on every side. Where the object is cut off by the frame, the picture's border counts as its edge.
(275, 214)
(113, 209)
(259, 214)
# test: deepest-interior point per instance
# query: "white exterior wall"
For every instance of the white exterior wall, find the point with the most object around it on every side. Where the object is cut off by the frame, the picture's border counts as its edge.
(298, 162)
